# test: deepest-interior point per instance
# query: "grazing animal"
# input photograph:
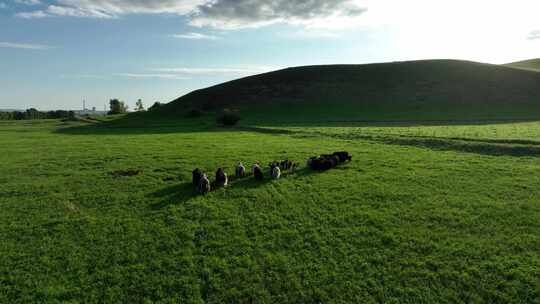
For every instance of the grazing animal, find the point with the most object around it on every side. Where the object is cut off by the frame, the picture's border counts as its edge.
(286, 165)
(310, 161)
(343, 156)
(334, 160)
(257, 172)
(272, 166)
(326, 164)
(320, 163)
(197, 174)
(256, 165)
(221, 178)
(240, 170)
(204, 184)
(295, 166)
(276, 172)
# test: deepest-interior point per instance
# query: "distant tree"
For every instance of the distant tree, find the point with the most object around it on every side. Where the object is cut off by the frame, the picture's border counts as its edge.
(70, 115)
(18, 115)
(155, 106)
(58, 114)
(139, 107)
(33, 113)
(117, 106)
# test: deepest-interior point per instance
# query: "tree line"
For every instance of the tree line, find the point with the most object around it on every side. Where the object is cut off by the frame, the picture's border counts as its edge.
(32, 113)
(116, 107)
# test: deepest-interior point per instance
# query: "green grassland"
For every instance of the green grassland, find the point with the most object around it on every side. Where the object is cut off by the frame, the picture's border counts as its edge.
(531, 64)
(436, 213)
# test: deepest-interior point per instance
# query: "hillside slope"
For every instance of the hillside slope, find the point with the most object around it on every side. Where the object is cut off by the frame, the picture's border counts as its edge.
(532, 64)
(428, 90)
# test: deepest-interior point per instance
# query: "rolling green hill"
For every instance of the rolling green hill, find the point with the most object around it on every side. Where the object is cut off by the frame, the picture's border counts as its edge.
(415, 90)
(532, 64)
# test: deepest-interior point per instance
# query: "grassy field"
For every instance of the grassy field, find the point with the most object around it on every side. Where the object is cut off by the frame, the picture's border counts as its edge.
(531, 64)
(423, 214)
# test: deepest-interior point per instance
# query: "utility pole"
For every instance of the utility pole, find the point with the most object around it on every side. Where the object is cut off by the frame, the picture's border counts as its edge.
(84, 104)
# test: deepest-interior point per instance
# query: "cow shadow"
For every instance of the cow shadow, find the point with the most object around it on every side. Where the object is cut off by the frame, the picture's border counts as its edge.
(472, 146)
(173, 195)
(181, 193)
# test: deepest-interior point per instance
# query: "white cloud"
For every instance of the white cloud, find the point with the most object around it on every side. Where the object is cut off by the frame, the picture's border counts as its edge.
(460, 29)
(24, 46)
(31, 15)
(178, 73)
(121, 7)
(215, 71)
(28, 2)
(143, 76)
(234, 14)
(534, 35)
(195, 36)
(222, 14)
(83, 76)
(76, 12)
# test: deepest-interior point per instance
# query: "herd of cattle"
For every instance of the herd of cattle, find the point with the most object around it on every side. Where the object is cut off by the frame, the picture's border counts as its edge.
(319, 163)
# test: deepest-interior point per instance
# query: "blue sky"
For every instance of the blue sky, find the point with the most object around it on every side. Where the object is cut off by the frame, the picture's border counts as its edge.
(55, 53)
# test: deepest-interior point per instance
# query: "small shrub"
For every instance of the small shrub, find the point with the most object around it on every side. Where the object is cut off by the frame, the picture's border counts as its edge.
(194, 113)
(228, 118)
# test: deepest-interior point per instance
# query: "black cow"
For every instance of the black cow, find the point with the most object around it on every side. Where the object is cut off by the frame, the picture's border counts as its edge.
(258, 173)
(311, 162)
(343, 156)
(334, 160)
(197, 175)
(221, 178)
(320, 163)
(326, 164)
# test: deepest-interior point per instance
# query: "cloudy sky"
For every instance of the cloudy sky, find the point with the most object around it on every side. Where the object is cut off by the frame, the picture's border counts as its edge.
(55, 53)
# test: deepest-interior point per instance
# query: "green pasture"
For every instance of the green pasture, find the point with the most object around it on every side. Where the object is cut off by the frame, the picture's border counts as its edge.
(425, 213)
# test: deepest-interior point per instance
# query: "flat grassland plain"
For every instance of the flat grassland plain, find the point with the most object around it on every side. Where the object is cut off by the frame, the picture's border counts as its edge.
(423, 214)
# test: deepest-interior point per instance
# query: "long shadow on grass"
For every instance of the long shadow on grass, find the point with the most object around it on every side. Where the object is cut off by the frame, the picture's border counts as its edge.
(468, 146)
(181, 193)
(174, 194)
(142, 123)
(164, 123)
(468, 139)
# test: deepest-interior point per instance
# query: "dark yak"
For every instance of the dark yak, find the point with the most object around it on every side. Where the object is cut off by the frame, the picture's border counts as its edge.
(343, 156)
(221, 178)
(197, 175)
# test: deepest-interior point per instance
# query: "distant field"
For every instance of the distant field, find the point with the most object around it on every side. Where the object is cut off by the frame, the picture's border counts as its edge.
(532, 65)
(423, 214)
